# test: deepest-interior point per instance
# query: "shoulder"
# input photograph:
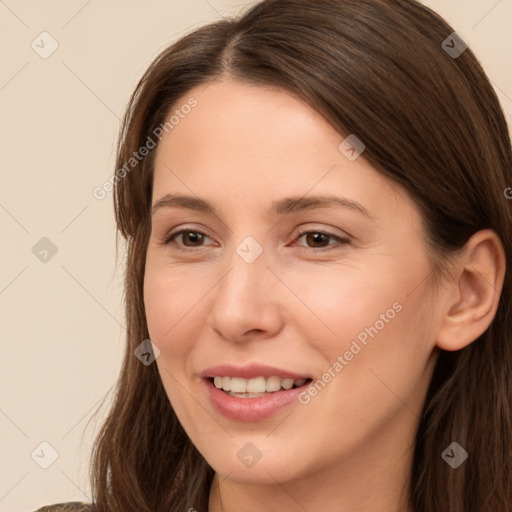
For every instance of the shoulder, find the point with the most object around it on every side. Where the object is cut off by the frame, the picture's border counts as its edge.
(71, 506)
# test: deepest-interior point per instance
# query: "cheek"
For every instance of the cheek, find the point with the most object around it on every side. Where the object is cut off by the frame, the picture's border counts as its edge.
(171, 302)
(159, 304)
(171, 316)
(374, 324)
(334, 306)
(383, 369)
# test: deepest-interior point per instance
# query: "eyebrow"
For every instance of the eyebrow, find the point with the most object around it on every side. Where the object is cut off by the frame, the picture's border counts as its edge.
(281, 207)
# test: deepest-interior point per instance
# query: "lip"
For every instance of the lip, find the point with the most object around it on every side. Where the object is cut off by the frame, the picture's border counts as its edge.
(251, 409)
(250, 371)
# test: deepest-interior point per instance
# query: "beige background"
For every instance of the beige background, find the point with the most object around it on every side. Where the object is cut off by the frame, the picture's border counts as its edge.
(61, 326)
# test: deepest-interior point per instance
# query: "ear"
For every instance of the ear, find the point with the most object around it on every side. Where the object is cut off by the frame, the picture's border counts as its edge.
(473, 295)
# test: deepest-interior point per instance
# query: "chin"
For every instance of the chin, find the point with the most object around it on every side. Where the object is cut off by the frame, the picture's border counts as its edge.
(265, 471)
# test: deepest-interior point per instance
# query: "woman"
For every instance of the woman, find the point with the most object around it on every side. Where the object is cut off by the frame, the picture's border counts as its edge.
(314, 199)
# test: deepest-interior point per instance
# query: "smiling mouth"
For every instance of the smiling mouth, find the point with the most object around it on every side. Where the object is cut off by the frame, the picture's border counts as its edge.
(257, 387)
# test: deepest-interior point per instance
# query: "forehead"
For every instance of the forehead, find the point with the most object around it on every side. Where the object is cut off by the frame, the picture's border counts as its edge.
(243, 143)
(248, 121)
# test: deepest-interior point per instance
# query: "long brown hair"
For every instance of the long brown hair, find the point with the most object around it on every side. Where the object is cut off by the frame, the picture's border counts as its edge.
(431, 122)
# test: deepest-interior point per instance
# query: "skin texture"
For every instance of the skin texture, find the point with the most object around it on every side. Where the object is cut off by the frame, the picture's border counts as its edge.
(299, 306)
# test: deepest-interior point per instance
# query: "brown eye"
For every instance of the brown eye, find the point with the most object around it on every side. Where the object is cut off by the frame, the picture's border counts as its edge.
(320, 240)
(317, 238)
(190, 238)
(195, 238)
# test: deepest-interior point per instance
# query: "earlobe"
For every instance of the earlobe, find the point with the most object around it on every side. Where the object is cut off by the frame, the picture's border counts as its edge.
(473, 295)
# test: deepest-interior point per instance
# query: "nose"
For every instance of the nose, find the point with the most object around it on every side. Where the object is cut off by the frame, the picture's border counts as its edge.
(246, 303)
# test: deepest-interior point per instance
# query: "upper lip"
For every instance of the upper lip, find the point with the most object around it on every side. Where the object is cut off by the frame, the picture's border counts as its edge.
(250, 371)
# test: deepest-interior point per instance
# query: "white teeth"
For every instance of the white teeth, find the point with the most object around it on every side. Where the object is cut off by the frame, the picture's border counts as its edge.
(273, 384)
(226, 383)
(256, 385)
(238, 385)
(247, 395)
(287, 383)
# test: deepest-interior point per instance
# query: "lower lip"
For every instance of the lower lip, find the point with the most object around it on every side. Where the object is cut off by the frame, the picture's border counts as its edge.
(251, 409)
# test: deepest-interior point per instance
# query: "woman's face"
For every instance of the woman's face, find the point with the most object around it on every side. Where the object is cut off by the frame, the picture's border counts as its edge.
(253, 281)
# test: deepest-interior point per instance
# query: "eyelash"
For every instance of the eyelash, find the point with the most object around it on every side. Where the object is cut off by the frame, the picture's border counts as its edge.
(168, 239)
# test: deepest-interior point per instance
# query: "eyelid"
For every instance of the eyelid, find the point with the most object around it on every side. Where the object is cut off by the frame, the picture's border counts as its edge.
(341, 240)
